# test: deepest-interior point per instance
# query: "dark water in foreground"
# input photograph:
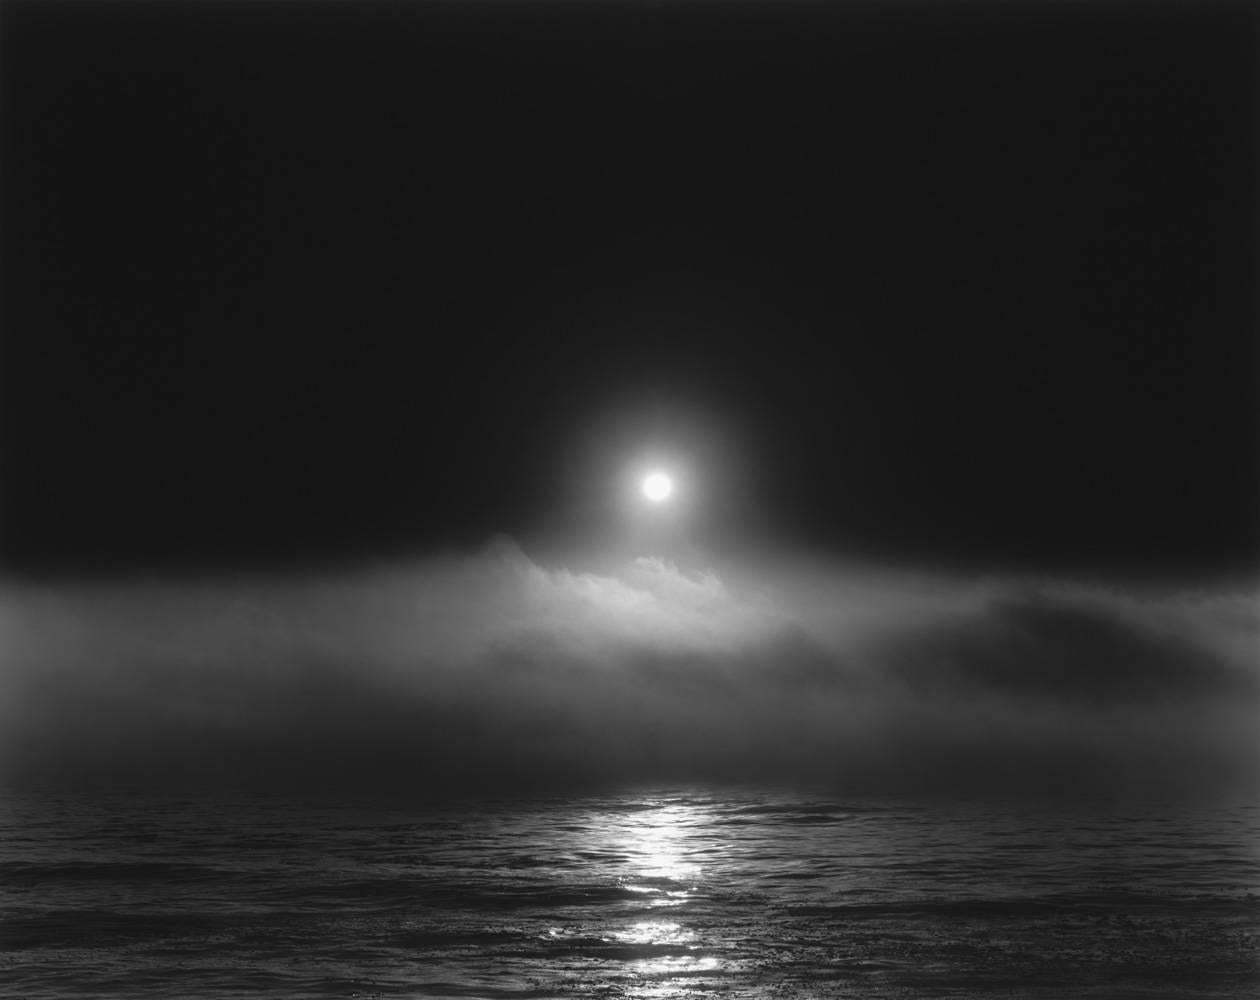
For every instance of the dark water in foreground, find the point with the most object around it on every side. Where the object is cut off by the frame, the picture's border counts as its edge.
(668, 894)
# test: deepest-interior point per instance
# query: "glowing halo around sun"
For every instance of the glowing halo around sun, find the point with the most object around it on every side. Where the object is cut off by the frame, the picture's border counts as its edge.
(657, 487)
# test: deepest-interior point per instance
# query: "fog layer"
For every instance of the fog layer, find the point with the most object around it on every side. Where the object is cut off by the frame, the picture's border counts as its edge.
(492, 671)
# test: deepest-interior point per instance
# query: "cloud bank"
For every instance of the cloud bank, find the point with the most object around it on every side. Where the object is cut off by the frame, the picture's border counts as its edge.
(493, 672)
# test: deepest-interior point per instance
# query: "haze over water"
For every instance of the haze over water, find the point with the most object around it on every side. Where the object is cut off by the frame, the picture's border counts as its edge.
(487, 776)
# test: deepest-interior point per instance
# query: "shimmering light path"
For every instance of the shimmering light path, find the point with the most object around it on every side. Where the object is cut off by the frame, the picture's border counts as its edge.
(671, 894)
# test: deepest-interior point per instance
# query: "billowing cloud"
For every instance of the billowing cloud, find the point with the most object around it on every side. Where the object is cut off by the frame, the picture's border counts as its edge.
(495, 671)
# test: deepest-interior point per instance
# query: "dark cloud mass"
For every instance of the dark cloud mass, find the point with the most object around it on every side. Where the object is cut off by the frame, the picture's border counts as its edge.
(495, 672)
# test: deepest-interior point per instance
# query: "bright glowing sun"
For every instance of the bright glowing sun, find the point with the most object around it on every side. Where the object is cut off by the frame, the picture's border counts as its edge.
(657, 487)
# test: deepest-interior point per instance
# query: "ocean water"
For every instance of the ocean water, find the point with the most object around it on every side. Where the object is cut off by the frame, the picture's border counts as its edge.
(662, 893)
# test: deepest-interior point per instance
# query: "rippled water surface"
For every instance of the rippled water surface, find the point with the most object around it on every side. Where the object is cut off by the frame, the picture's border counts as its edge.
(665, 894)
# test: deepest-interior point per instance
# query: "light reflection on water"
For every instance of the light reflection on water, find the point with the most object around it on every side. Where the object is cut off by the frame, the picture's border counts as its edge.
(680, 857)
(655, 932)
(656, 841)
(666, 895)
(657, 970)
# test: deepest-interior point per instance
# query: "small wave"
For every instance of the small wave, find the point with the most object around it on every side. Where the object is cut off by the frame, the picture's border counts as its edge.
(436, 938)
(529, 897)
(27, 873)
(1017, 907)
(602, 948)
(104, 928)
(800, 814)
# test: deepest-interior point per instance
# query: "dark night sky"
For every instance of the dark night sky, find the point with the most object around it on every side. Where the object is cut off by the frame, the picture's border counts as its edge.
(296, 282)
